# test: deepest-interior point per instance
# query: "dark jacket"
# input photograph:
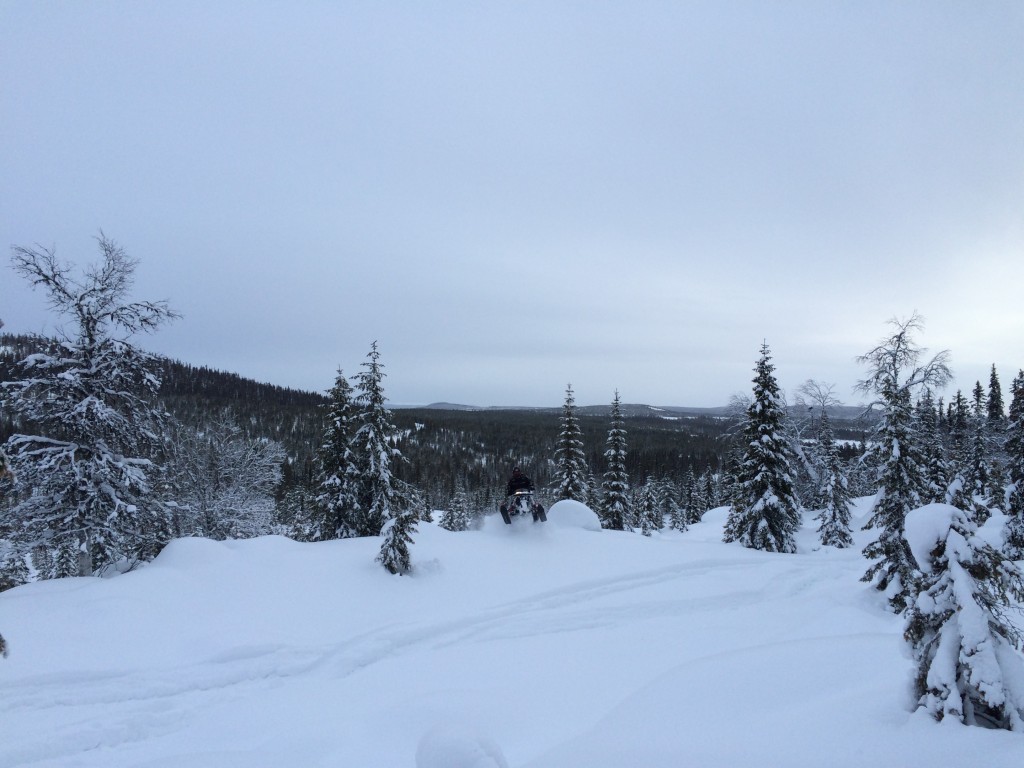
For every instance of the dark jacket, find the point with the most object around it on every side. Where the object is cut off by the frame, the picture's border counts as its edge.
(518, 482)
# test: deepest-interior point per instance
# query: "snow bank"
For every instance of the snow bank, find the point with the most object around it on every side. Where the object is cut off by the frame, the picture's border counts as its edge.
(573, 514)
(566, 649)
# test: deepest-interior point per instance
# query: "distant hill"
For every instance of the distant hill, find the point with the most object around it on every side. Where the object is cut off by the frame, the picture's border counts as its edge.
(628, 409)
(847, 413)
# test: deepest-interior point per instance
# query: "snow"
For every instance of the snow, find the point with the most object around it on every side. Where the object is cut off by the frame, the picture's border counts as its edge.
(925, 527)
(458, 747)
(530, 646)
(573, 514)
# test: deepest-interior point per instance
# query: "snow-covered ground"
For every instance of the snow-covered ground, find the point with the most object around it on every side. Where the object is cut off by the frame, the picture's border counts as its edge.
(548, 646)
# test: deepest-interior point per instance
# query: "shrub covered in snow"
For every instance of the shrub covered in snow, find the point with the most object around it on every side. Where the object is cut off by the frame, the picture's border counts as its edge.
(961, 638)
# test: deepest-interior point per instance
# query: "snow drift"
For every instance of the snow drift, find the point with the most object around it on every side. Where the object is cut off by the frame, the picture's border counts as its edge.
(549, 645)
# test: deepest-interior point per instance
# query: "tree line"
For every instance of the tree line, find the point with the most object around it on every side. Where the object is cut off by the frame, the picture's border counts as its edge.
(101, 467)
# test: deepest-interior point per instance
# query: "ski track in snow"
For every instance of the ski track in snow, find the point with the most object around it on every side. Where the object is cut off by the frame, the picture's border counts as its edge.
(247, 664)
(113, 710)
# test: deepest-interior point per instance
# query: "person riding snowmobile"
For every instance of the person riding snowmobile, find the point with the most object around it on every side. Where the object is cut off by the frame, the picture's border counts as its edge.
(519, 483)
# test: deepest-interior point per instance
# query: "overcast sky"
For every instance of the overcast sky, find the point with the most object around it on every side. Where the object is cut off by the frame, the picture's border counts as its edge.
(513, 196)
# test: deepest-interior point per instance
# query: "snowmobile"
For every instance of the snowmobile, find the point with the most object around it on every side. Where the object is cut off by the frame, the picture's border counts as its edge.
(521, 503)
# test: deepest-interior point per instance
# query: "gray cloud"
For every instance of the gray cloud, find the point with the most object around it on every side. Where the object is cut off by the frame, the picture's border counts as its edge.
(512, 197)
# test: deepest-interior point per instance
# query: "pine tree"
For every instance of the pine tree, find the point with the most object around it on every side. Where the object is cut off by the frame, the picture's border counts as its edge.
(995, 434)
(336, 504)
(958, 419)
(995, 413)
(1014, 447)
(571, 460)
(958, 443)
(958, 629)
(457, 517)
(978, 469)
(681, 508)
(765, 513)
(5, 472)
(646, 505)
(379, 494)
(298, 515)
(936, 477)
(615, 503)
(397, 536)
(665, 493)
(894, 371)
(833, 493)
(712, 491)
(84, 478)
(13, 570)
(691, 499)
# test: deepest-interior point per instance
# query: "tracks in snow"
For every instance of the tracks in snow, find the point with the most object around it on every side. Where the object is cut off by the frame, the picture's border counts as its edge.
(100, 710)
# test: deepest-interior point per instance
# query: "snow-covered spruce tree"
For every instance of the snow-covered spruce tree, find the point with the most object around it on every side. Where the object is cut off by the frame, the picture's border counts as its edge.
(971, 471)
(615, 502)
(958, 417)
(995, 408)
(83, 484)
(397, 534)
(647, 508)
(895, 371)
(594, 495)
(1014, 447)
(690, 501)
(5, 472)
(457, 517)
(382, 497)
(764, 513)
(668, 501)
(995, 436)
(833, 492)
(700, 501)
(936, 468)
(978, 469)
(296, 510)
(711, 487)
(682, 504)
(963, 643)
(13, 569)
(336, 505)
(571, 462)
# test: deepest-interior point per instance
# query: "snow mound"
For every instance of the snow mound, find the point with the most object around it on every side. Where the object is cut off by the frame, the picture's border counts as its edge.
(448, 747)
(573, 514)
(190, 552)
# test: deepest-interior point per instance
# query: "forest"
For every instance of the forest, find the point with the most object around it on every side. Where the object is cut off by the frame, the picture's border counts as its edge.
(444, 448)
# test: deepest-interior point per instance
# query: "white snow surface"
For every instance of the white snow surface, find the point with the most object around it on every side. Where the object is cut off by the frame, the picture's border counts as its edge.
(532, 646)
(573, 514)
(925, 527)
